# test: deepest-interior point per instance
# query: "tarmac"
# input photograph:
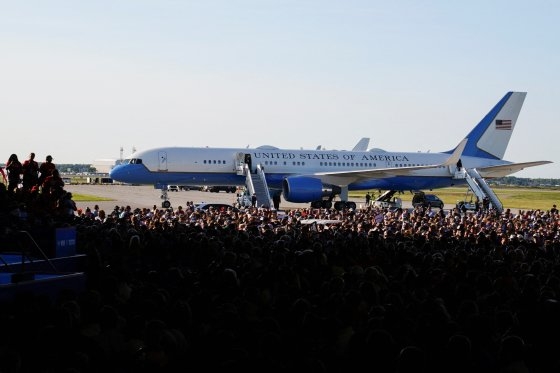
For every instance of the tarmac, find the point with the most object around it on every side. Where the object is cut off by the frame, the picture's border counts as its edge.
(148, 196)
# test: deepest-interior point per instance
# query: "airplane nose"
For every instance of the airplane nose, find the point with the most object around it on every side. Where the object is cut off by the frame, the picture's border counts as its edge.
(116, 173)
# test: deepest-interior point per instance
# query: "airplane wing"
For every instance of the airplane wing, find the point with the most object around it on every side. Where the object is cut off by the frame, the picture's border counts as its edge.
(507, 169)
(348, 177)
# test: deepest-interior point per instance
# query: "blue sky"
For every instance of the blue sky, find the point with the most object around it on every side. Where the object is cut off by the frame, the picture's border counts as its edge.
(81, 79)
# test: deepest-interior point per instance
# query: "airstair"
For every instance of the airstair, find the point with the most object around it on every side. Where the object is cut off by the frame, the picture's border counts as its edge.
(481, 189)
(256, 183)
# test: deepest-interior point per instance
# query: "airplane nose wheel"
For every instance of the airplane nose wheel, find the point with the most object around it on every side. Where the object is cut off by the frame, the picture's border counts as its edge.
(165, 204)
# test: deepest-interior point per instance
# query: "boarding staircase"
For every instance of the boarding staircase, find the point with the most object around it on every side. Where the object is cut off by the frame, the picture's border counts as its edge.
(481, 189)
(256, 183)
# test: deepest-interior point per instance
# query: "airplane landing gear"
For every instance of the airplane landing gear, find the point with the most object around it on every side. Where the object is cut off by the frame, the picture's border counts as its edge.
(338, 205)
(166, 203)
(341, 205)
(321, 204)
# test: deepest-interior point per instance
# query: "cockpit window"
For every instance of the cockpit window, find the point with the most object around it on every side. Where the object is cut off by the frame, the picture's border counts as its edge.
(133, 161)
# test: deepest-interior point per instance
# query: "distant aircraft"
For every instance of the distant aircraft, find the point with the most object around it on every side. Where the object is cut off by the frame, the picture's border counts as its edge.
(319, 176)
(362, 145)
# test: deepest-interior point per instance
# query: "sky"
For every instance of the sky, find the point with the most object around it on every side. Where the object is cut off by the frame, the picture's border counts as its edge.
(81, 80)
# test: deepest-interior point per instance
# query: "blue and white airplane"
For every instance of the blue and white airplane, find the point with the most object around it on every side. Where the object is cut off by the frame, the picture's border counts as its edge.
(318, 176)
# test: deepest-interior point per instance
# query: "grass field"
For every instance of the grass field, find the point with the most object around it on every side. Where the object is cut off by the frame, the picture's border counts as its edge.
(511, 197)
(88, 197)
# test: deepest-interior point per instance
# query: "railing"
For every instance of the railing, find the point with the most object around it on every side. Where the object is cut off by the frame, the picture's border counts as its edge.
(37, 248)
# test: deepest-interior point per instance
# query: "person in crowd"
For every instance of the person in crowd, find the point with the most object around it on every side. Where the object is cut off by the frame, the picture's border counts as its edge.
(101, 216)
(52, 188)
(66, 206)
(14, 169)
(95, 211)
(30, 172)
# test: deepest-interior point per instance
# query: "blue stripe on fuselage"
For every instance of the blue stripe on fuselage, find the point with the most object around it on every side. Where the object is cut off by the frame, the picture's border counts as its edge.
(139, 174)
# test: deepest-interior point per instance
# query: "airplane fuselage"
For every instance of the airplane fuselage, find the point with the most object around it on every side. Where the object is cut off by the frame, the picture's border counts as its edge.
(219, 166)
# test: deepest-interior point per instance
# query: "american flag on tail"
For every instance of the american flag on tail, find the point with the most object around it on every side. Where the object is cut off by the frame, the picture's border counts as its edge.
(503, 124)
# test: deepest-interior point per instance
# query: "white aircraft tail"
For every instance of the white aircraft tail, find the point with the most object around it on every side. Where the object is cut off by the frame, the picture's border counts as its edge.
(490, 137)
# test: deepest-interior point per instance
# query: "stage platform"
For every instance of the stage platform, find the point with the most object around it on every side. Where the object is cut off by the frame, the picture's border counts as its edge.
(40, 273)
(38, 277)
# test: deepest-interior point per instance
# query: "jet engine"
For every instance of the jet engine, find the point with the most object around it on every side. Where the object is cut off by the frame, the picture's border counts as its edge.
(301, 189)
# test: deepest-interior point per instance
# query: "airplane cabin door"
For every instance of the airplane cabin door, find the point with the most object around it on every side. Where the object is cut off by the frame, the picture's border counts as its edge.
(162, 165)
(248, 161)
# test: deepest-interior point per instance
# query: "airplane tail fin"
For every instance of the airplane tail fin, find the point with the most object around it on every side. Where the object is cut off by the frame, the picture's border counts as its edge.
(490, 137)
(362, 145)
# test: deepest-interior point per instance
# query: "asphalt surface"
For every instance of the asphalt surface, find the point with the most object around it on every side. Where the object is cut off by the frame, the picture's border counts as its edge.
(148, 196)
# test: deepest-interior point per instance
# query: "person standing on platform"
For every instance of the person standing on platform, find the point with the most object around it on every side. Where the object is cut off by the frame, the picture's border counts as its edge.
(30, 173)
(46, 169)
(14, 169)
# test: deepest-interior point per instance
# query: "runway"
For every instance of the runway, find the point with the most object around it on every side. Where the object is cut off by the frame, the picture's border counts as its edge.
(148, 196)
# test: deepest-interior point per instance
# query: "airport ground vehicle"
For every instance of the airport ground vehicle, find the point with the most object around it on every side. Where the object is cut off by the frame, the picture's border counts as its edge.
(190, 187)
(426, 200)
(173, 188)
(468, 204)
(387, 200)
(219, 188)
(216, 206)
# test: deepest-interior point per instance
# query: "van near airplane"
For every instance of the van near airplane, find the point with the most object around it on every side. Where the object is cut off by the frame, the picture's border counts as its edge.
(319, 176)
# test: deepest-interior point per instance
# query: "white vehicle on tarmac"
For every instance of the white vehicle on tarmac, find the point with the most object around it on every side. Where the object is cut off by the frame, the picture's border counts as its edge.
(387, 200)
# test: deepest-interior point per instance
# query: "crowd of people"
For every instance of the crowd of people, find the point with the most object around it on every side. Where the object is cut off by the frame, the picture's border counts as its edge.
(320, 290)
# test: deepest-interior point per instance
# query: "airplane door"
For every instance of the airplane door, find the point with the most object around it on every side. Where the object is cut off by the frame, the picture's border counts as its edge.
(162, 166)
(248, 161)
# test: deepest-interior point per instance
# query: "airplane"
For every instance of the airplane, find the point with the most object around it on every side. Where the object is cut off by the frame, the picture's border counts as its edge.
(319, 176)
